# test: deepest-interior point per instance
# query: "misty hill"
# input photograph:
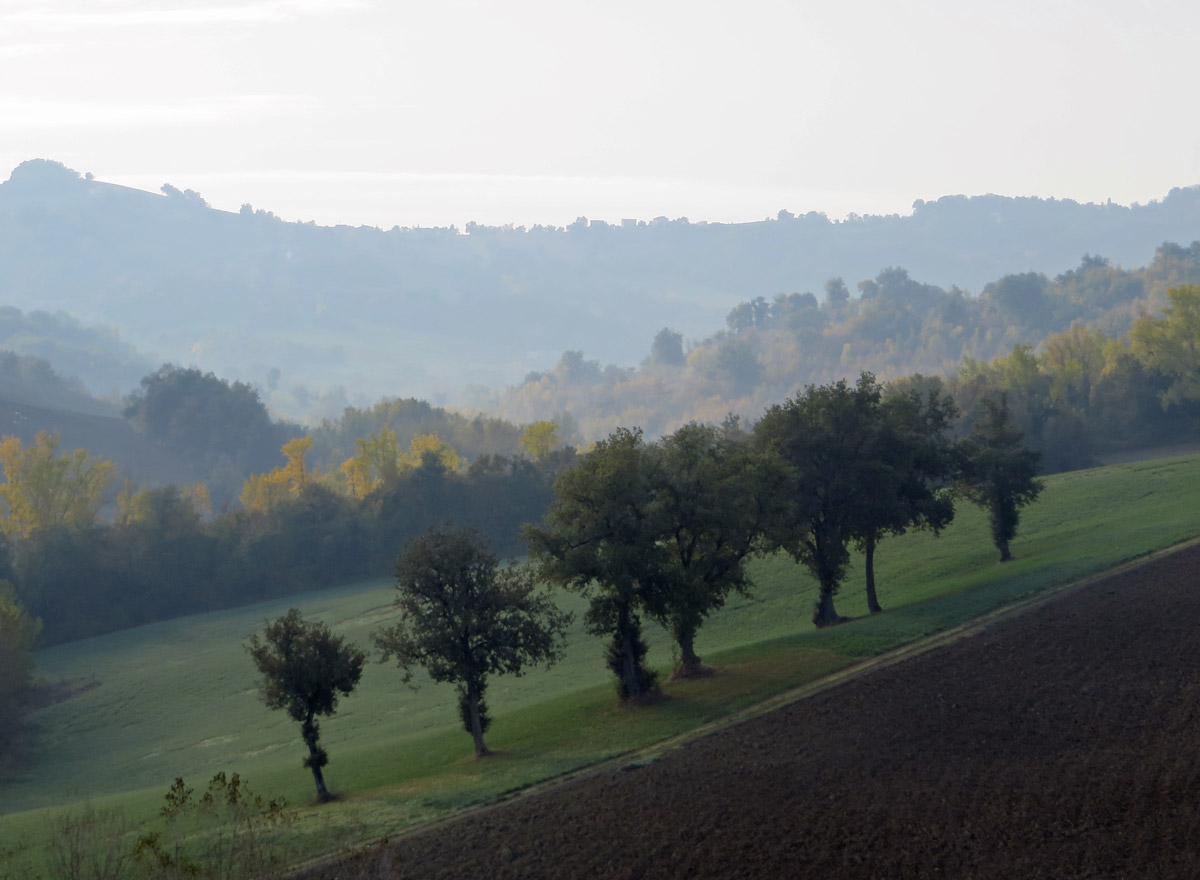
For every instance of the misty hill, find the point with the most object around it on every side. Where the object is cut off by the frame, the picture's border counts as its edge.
(96, 352)
(303, 311)
(27, 379)
(34, 397)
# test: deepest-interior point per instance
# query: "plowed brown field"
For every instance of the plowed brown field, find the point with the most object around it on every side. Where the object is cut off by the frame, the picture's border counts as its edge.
(1061, 743)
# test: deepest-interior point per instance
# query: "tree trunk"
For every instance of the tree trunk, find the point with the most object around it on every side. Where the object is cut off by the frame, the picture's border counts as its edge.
(473, 697)
(629, 664)
(872, 599)
(689, 664)
(316, 755)
(825, 614)
(1002, 546)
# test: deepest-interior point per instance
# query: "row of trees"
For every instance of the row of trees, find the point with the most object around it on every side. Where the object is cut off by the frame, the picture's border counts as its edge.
(463, 618)
(664, 530)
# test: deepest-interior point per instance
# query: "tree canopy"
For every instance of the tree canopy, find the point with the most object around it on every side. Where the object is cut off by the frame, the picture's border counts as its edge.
(221, 429)
(463, 618)
(712, 495)
(915, 462)
(1172, 343)
(997, 472)
(828, 435)
(600, 538)
(305, 668)
(43, 489)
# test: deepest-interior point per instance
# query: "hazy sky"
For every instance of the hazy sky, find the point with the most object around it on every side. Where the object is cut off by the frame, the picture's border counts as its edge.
(391, 112)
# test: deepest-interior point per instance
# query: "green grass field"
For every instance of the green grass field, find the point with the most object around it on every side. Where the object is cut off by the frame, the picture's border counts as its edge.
(179, 698)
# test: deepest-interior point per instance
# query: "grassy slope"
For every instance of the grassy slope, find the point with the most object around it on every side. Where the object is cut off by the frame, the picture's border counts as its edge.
(178, 698)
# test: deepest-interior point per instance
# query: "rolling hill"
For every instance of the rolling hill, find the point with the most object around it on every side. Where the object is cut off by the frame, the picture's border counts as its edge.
(320, 316)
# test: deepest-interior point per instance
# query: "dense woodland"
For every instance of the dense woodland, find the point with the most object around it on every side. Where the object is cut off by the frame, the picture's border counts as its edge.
(894, 326)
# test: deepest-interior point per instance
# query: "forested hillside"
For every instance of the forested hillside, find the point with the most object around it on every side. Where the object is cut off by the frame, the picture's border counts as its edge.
(893, 325)
(320, 317)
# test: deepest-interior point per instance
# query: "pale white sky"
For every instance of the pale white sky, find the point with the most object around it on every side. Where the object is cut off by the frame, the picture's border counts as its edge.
(438, 112)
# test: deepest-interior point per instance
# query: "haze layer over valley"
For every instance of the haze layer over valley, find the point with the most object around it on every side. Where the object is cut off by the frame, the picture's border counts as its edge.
(318, 317)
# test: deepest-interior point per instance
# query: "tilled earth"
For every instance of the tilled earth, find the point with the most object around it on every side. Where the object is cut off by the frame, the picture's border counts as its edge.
(1062, 743)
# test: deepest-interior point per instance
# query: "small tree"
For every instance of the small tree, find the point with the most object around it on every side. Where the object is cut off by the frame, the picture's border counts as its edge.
(263, 491)
(463, 618)
(667, 349)
(539, 439)
(305, 667)
(225, 834)
(997, 472)
(88, 844)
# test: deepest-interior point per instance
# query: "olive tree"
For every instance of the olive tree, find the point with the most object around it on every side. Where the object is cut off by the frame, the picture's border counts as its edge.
(304, 668)
(463, 617)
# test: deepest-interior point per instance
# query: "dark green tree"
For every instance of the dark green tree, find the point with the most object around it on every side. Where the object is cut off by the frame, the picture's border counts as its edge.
(464, 618)
(828, 437)
(221, 430)
(600, 538)
(755, 313)
(914, 463)
(1022, 297)
(304, 668)
(667, 349)
(711, 497)
(997, 472)
(837, 295)
(737, 366)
